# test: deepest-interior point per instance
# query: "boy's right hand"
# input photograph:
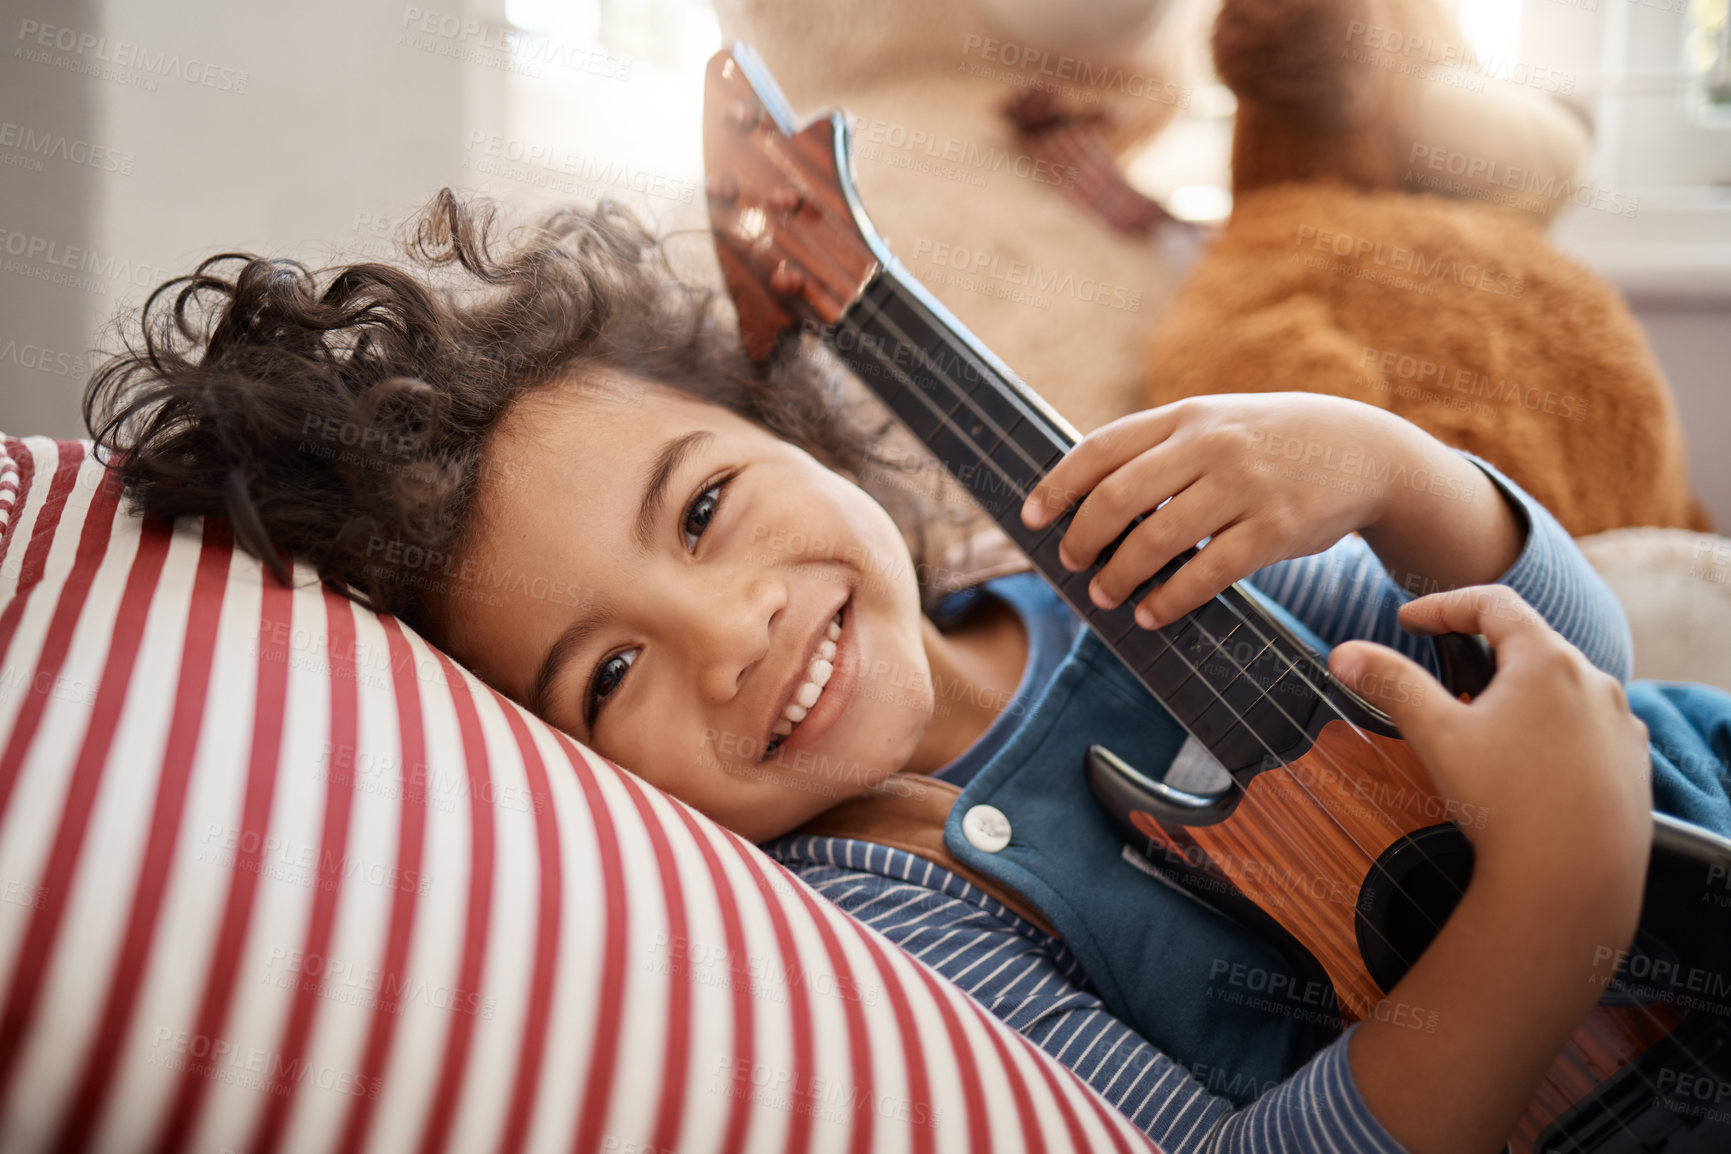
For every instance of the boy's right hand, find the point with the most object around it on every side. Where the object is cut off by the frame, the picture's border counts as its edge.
(1549, 752)
(1560, 764)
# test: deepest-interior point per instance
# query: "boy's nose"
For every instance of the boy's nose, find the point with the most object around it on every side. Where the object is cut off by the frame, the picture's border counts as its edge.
(728, 628)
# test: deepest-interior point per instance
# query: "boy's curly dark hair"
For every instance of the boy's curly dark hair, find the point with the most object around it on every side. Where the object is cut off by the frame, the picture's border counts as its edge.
(322, 412)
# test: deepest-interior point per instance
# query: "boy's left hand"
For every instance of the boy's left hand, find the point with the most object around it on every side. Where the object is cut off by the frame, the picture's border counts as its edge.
(1267, 476)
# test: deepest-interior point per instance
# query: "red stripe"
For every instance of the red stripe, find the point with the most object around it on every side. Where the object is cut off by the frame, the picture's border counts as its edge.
(86, 783)
(1019, 1088)
(41, 535)
(1110, 1118)
(798, 996)
(327, 890)
(676, 1048)
(275, 611)
(197, 655)
(1072, 1123)
(92, 547)
(411, 837)
(973, 1093)
(913, 1055)
(25, 462)
(739, 976)
(616, 928)
(918, 1082)
(456, 1060)
(1029, 1123)
(859, 1041)
(533, 1048)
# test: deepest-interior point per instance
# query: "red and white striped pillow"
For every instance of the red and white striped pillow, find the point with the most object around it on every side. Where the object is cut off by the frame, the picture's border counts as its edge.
(275, 874)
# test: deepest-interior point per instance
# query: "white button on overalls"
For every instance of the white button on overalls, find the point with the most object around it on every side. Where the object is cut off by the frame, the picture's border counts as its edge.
(986, 828)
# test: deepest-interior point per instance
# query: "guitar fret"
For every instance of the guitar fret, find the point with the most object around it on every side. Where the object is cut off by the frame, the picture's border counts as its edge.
(1230, 708)
(986, 403)
(955, 446)
(1180, 660)
(1259, 655)
(998, 445)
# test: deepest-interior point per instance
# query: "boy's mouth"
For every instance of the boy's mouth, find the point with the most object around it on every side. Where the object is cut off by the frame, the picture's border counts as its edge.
(818, 671)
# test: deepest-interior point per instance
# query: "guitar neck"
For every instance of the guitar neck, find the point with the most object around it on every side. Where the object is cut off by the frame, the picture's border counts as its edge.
(1230, 674)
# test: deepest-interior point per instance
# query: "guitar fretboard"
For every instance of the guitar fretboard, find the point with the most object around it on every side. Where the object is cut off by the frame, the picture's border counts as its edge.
(1227, 672)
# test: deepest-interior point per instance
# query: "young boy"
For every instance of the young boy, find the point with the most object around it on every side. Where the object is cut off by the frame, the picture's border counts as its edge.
(711, 598)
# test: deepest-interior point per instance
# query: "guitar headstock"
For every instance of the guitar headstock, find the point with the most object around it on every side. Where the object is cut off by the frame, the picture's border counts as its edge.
(794, 243)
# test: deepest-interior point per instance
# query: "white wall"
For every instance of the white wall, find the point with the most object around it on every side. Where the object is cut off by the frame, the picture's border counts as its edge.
(322, 124)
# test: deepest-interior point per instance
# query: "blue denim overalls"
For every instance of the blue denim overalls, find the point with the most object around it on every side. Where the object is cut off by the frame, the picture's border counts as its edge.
(1213, 994)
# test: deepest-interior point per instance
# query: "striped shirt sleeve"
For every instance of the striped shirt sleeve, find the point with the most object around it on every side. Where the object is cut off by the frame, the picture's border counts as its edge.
(1344, 593)
(1031, 981)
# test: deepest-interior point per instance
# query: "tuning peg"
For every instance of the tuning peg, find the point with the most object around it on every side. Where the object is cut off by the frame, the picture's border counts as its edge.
(742, 116)
(787, 198)
(721, 186)
(786, 279)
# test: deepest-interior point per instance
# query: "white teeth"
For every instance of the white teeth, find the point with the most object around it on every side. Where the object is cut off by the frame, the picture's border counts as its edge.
(817, 675)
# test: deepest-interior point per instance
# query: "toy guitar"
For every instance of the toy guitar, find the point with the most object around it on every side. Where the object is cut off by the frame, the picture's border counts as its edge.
(1320, 783)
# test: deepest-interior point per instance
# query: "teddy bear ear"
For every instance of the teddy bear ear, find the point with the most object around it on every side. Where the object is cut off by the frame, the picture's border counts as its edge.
(794, 244)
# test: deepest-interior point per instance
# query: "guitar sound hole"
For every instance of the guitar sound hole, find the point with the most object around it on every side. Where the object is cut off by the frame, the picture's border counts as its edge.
(1407, 896)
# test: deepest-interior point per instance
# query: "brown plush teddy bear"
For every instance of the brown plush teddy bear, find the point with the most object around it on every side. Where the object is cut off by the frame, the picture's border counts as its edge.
(1334, 276)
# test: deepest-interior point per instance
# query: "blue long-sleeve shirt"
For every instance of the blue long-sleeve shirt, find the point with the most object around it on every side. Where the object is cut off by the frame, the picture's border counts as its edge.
(1030, 980)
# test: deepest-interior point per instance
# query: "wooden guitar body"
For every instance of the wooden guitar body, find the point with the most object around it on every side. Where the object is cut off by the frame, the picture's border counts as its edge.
(1328, 830)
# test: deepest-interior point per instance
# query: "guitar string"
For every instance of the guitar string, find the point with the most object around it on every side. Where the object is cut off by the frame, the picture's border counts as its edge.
(1310, 862)
(1642, 1008)
(967, 400)
(1300, 673)
(1370, 858)
(1015, 487)
(1268, 643)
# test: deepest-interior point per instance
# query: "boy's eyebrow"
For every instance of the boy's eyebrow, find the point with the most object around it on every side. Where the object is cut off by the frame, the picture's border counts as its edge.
(661, 470)
(568, 642)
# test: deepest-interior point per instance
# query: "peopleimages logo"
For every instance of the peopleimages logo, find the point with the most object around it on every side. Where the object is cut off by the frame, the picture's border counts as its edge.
(1087, 76)
(250, 1067)
(497, 153)
(979, 263)
(1444, 378)
(1399, 258)
(37, 40)
(1451, 61)
(1480, 170)
(460, 37)
(42, 359)
(39, 144)
(76, 266)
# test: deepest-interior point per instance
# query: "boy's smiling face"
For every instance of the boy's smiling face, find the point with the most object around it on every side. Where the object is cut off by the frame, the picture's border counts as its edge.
(668, 625)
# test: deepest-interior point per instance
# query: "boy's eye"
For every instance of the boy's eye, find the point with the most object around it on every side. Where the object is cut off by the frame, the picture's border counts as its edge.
(606, 679)
(611, 671)
(701, 511)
